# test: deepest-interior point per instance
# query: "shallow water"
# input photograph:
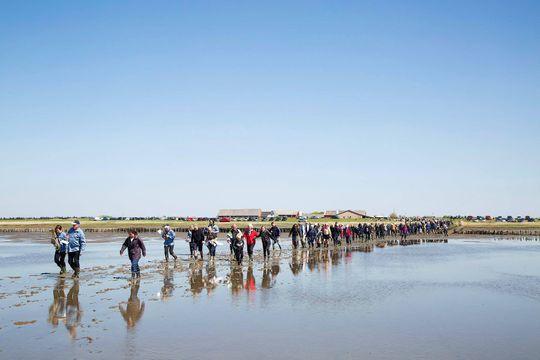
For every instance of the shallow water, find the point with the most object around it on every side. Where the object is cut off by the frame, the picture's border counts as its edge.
(470, 298)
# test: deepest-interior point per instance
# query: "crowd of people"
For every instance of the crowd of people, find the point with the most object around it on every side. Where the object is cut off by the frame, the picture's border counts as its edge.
(304, 235)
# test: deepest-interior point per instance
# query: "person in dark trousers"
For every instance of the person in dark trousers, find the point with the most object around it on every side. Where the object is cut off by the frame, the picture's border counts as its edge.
(233, 234)
(266, 238)
(60, 244)
(197, 237)
(336, 232)
(136, 248)
(294, 233)
(168, 237)
(250, 235)
(211, 240)
(275, 232)
(238, 247)
(311, 235)
(76, 244)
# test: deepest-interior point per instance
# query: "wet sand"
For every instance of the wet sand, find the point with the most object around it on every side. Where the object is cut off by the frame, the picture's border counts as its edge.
(471, 298)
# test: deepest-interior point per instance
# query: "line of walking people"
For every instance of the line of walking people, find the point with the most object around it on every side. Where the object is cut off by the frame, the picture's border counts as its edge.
(302, 235)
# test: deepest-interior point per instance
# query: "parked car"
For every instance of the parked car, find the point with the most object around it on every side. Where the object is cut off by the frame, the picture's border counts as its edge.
(225, 219)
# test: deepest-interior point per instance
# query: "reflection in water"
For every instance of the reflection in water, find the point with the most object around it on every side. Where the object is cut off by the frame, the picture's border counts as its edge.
(133, 310)
(324, 259)
(196, 277)
(297, 261)
(57, 310)
(73, 310)
(211, 278)
(250, 284)
(168, 283)
(275, 268)
(266, 282)
(236, 278)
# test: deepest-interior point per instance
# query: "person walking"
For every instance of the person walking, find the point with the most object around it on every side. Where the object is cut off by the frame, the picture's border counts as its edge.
(275, 232)
(76, 244)
(335, 232)
(168, 237)
(136, 248)
(211, 240)
(197, 238)
(233, 234)
(303, 233)
(325, 234)
(311, 235)
(250, 235)
(238, 246)
(266, 238)
(294, 233)
(60, 245)
(347, 232)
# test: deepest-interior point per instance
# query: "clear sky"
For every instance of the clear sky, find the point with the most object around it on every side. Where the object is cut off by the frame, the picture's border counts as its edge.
(185, 107)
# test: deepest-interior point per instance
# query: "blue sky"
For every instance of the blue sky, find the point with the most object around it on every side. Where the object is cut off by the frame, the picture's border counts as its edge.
(182, 108)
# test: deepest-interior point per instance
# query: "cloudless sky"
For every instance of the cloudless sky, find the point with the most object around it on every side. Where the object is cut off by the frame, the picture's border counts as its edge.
(186, 107)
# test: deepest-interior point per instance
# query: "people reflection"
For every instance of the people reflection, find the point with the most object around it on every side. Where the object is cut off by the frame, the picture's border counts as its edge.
(236, 278)
(211, 277)
(132, 311)
(266, 282)
(196, 277)
(57, 310)
(296, 262)
(168, 283)
(73, 310)
(275, 268)
(250, 284)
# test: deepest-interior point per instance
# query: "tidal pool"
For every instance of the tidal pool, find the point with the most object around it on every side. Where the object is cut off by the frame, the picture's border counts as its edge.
(467, 299)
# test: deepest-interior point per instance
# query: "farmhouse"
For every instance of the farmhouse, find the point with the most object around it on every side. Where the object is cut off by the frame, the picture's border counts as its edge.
(352, 214)
(240, 213)
(331, 213)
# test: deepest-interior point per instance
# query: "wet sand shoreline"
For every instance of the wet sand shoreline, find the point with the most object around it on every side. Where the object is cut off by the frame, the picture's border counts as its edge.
(345, 293)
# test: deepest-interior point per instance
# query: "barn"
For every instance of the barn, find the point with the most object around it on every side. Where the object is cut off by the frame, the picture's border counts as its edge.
(240, 214)
(352, 214)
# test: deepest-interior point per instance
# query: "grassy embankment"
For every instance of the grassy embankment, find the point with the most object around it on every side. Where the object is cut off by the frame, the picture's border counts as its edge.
(151, 225)
(497, 228)
(90, 224)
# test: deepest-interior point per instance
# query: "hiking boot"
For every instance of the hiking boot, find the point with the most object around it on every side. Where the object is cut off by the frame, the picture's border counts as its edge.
(75, 273)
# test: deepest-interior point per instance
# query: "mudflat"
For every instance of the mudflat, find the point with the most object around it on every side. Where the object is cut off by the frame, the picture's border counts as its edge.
(468, 298)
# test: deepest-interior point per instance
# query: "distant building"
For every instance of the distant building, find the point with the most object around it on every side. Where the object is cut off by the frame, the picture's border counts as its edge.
(330, 213)
(287, 213)
(240, 213)
(352, 214)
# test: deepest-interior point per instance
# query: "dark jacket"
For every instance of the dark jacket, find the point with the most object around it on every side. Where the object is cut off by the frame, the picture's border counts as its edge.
(197, 236)
(265, 235)
(274, 230)
(135, 248)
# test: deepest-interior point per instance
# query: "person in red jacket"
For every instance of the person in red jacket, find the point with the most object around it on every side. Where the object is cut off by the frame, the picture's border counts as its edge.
(250, 236)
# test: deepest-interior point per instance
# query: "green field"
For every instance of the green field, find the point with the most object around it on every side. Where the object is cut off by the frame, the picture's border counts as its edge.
(46, 224)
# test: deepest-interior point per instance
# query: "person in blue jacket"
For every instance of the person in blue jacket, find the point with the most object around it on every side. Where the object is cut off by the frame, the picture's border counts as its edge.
(76, 244)
(168, 236)
(61, 243)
